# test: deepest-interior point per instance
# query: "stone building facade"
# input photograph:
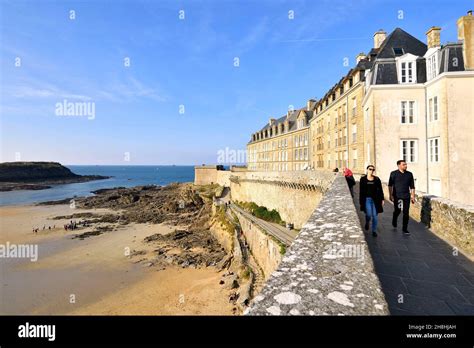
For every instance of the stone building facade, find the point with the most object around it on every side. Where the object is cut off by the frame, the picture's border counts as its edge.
(405, 99)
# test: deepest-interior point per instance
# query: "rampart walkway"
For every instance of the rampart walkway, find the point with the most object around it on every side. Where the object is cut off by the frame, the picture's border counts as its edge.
(419, 273)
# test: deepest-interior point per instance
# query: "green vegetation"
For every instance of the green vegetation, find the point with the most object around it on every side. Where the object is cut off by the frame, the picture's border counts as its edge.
(282, 248)
(223, 220)
(207, 191)
(261, 212)
(34, 172)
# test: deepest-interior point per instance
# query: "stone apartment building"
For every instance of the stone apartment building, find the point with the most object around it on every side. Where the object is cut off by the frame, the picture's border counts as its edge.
(405, 99)
(283, 143)
(419, 106)
(336, 130)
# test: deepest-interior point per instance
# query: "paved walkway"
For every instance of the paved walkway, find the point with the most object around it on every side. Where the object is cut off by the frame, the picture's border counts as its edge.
(419, 273)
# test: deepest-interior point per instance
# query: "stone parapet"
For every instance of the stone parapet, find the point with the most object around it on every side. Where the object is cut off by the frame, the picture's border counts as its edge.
(328, 269)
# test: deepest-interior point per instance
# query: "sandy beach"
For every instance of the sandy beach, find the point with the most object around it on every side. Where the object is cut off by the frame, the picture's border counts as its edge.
(99, 274)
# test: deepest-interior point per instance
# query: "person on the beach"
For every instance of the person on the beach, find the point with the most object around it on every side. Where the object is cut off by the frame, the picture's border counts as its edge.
(401, 186)
(371, 198)
(350, 179)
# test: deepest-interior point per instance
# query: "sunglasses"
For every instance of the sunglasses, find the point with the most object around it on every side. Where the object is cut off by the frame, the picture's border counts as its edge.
(372, 169)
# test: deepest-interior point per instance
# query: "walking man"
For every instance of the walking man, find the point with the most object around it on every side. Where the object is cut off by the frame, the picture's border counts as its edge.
(401, 186)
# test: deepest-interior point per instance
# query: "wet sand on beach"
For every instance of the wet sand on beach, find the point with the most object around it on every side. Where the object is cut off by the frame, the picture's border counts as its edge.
(96, 275)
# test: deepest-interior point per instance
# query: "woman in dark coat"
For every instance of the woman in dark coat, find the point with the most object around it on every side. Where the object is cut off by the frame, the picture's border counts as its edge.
(371, 198)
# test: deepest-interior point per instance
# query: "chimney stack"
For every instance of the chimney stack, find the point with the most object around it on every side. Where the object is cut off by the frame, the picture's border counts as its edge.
(310, 104)
(379, 37)
(360, 56)
(466, 35)
(433, 37)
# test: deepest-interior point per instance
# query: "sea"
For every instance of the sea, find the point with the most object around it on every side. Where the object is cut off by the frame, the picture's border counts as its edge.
(121, 176)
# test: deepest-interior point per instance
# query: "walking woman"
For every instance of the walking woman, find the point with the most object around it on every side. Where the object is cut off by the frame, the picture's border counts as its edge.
(371, 198)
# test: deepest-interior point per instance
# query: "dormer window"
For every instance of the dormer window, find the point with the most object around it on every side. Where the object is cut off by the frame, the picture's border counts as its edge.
(407, 72)
(398, 51)
(300, 123)
(432, 63)
(406, 66)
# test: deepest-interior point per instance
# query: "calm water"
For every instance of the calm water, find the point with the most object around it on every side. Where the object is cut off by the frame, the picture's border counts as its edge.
(126, 176)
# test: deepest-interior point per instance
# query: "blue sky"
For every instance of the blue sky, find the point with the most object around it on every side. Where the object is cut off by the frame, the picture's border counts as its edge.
(177, 62)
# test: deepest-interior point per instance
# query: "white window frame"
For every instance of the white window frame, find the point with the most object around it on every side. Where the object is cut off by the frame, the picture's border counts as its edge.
(408, 158)
(406, 66)
(433, 148)
(433, 109)
(408, 104)
(432, 63)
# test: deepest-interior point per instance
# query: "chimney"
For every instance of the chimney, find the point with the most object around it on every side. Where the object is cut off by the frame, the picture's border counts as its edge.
(360, 56)
(379, 36)
(466, 35)
(271, 121)
(310, 104)
(433, 37)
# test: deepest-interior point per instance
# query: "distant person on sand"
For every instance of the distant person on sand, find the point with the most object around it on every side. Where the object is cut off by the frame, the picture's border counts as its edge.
(371, 198)
(350, 179)
(401, 186)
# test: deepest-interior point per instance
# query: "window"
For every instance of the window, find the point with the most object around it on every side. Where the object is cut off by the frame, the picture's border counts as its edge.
(432, 65)
(296, 141)
(407, 112)
(296, 154)
(407, 72)
(433, 109)
(406, 66)
(398, 51)
(354, 133)
(305, 153)
(301, 154)
(354, 107)
(434, 149)
(306, 139)
(409, 150)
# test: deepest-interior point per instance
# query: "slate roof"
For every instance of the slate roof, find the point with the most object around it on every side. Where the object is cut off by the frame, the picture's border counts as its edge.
(291, 119)
(381, 62)
(451, 58)
(399, 38)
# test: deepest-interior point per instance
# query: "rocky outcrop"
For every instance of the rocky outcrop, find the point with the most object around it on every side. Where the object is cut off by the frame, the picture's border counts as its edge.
(38, 175)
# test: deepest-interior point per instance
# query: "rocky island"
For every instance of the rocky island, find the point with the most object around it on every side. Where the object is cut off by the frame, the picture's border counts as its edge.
(38, 175)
